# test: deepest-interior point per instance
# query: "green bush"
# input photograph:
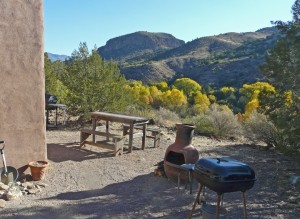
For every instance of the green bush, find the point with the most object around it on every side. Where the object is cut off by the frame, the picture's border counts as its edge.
(166, 118)
(259, 128)
(218, 121)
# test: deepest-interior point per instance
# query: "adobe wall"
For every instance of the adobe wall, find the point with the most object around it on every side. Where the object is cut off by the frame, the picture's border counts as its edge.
(22, 89)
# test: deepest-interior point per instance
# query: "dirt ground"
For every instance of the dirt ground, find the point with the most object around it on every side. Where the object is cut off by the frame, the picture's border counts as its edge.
(91, 183)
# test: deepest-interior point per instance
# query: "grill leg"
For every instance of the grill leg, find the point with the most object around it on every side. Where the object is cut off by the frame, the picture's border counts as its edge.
(190, 181)
(218, 206)
(196, 200)
(245, 208)
(178, 183)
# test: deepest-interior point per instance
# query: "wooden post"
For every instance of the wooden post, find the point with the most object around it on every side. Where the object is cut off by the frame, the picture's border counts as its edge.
(107, 129)
(130, 138)
(94, 128)
(144, 135)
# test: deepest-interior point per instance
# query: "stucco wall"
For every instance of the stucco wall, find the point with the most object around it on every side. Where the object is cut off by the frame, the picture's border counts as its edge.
(22, 114)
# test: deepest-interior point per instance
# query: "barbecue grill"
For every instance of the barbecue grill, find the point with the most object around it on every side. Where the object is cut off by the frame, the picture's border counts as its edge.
(50, 99)
(223, 175)
(51, 104)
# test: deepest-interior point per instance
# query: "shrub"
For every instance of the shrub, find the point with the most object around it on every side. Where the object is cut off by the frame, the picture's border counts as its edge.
(259, 128)
(224, 122)
(218, 121)
(166, 118)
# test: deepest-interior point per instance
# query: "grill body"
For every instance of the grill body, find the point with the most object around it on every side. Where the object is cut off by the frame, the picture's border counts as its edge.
(50, 99)
(224, 175)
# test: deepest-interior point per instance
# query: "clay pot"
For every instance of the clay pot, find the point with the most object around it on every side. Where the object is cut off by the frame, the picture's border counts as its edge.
(181, 151)
(38, 169)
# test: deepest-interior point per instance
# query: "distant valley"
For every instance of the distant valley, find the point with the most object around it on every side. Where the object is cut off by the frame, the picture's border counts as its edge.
(229, 59)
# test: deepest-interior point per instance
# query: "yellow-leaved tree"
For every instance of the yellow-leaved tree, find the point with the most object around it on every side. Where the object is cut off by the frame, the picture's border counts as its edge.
(173, 98)
(140, 93)
(188, 86)
(201, 102)
(258, 96)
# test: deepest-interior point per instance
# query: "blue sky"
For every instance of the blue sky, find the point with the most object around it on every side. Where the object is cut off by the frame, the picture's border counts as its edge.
(69, 22)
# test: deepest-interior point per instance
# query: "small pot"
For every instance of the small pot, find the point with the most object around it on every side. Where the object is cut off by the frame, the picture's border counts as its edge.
(38, 169)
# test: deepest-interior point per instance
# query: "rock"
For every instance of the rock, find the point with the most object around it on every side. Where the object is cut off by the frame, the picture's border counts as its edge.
(41, 184)
(33, 191)
(2, 203)
(3, 186)
(28, 185)
(12, 195)
(293, 200)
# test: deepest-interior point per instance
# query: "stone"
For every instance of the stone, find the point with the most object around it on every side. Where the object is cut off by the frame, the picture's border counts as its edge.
(3, 186)
(33, 191)
(28, 185)
(2, 203)
(41, 184)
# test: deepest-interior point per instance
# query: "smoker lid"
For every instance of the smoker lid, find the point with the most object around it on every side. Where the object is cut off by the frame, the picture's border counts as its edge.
(225, 166)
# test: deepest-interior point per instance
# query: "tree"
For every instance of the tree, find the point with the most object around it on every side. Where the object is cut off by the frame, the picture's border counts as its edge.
(202, 103)
(282, 65)
(188, 86)
(282, 69)
(53, 84)
(94, 84)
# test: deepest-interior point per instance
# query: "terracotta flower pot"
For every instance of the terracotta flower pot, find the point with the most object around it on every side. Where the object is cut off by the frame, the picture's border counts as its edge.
(38, 169)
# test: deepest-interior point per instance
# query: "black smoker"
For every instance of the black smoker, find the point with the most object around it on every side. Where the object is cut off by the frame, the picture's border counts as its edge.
(223, 175)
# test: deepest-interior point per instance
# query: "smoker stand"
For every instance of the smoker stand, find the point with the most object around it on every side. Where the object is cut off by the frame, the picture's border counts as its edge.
(188, 170)
(220, 197)
(55, 107)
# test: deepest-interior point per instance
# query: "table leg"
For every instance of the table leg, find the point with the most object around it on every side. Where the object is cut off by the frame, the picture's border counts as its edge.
(245, 208)
(64, 116)
(107, 129)
(94, 128)
(196, 200)
(130, 138)
(144, 136)
(56, 116)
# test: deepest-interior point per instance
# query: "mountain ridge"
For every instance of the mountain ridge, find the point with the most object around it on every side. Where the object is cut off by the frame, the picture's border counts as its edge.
(228, 59)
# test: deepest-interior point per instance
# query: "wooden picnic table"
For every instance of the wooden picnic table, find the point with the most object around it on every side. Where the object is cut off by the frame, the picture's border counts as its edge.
(124, 119)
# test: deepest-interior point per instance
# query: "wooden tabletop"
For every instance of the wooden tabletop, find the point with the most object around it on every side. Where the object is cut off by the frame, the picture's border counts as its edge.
(117, 117)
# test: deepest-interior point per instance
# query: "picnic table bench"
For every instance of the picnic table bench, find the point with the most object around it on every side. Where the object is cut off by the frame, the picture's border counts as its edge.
(154, 133)
(116, 144)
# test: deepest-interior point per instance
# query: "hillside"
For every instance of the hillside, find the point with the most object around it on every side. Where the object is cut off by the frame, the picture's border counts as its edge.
(138, 44)
(229, 59)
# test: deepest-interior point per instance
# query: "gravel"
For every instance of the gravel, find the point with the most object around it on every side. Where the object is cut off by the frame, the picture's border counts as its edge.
(91, 183)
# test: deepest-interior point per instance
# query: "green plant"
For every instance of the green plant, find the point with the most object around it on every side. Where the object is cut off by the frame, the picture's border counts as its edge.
(259, 128)
(165, 117)
(218, 121)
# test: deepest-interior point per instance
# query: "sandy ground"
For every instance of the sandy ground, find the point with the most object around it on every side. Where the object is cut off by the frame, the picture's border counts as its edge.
(91, 183)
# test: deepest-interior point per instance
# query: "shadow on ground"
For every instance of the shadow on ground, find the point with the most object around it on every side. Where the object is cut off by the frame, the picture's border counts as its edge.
(147, 196)
(136, 198)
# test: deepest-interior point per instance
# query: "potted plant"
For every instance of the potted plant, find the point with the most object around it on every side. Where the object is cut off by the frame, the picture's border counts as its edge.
(38, 169)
